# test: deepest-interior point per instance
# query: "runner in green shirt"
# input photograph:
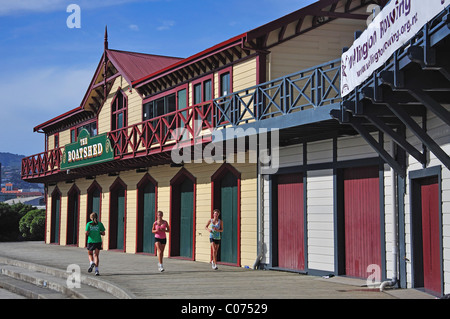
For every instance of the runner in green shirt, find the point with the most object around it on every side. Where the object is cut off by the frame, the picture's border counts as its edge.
(94, 232)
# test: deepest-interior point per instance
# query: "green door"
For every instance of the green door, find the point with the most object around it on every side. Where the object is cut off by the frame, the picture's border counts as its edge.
(186, 217)
(148, 238)
(55, 219)
(93, 205)
(120, 217)
(95, 202)
(72, 233)
(229, 210)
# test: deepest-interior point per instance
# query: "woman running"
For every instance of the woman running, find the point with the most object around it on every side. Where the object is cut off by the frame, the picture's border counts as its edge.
(94, 232)
(160, 228)
(215, 227)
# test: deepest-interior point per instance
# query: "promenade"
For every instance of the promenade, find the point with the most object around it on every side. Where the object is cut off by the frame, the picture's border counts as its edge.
(135, 276)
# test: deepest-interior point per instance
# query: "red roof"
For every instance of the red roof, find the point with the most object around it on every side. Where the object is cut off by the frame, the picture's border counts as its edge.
(131, 65)
(134, 66)
(190, 59)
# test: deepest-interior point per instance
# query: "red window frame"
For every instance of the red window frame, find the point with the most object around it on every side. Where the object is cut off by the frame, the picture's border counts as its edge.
(116, 110)
(74, 136)
(219, 88)
(204, 104)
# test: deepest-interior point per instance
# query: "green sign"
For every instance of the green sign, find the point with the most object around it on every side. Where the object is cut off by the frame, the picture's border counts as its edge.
(87, 151)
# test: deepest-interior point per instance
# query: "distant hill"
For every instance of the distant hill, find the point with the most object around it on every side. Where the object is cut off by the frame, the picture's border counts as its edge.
(11, 171)
(11, 160)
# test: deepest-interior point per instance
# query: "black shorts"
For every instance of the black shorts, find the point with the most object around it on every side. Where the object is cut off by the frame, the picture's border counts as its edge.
(215, 241)
(161, 240)
(94, 246)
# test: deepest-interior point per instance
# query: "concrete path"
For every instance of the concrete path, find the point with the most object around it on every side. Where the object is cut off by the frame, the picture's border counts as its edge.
(136, 276)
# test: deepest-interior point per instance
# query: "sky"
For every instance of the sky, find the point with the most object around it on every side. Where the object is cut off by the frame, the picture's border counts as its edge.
(46, 66)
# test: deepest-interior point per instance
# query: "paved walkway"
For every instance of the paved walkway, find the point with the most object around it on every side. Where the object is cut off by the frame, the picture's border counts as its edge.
(136, 276)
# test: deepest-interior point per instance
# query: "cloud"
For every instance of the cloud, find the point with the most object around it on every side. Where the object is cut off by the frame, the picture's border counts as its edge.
(35, 96)
(166, 25)
(133, 27)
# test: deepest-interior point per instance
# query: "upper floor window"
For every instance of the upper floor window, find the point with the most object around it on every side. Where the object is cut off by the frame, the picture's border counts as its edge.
(202, 91)
(91, 127)
(165, 103)
(56, 140)
(225, 88)
(202, 94)
(119, 111)
(225, 85)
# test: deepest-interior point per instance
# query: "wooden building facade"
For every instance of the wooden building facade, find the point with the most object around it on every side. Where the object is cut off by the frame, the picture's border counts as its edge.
(348, 178)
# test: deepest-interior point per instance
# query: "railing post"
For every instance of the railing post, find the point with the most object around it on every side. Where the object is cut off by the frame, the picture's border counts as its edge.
(317, 84)
(283, 98)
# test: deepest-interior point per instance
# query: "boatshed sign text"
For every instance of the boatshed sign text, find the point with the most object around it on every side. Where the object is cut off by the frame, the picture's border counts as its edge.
(87, 151)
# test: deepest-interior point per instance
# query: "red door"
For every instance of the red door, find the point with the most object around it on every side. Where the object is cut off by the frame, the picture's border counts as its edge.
(290, 222)
(431, 235)
(362, 220)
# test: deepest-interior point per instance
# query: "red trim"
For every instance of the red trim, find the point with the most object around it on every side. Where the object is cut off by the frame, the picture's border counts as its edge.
(58, 118)
(191, 58)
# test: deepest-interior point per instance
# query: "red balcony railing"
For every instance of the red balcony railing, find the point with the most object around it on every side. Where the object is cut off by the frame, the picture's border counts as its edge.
(159, 134)
(42, 164)
(297, 92)
(176, 129)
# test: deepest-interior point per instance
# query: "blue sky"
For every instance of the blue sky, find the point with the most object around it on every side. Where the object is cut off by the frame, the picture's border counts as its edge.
(46, 67)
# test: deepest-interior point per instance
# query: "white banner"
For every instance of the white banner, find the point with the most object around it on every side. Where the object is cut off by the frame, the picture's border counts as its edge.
(397, 23)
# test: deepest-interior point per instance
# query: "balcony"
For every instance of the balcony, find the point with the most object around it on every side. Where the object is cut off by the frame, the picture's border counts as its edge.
(286, 103)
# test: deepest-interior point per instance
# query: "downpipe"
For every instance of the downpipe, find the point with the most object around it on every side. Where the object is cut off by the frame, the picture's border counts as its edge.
(393, 281)
(260, 211)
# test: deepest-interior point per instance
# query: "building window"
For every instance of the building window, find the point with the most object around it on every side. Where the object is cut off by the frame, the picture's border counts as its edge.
(56, 138)
(225, 88)
(202, 98)
(91, 127)
(164, 104)
(119, 111)
(225, 84)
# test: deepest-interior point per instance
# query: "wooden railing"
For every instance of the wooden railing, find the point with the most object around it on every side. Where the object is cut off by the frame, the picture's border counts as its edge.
(162, 133)
(310, 88)
(41, 164)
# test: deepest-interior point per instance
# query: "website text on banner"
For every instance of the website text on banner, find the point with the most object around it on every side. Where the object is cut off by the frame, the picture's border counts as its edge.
(398, 22)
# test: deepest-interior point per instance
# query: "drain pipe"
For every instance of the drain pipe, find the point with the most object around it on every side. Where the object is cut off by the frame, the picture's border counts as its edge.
(393, 281)
(260, 214)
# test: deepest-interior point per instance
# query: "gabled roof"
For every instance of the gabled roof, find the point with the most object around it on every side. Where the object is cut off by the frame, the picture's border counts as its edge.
(257, 40)
(138, 69)
(130, 65)
(133, 65)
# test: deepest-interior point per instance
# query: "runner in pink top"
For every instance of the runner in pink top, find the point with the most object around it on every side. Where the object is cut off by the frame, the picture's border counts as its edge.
(160, 228)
